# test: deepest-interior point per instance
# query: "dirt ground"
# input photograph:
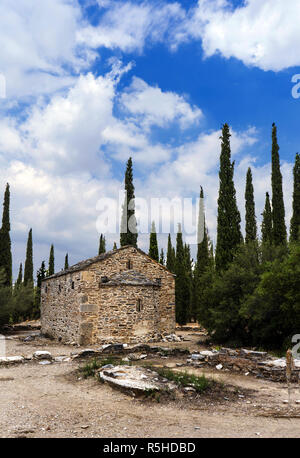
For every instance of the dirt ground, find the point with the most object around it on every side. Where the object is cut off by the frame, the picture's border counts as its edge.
(54, 401)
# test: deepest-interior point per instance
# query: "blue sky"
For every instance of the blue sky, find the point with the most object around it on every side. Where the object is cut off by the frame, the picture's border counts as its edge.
(91, 82)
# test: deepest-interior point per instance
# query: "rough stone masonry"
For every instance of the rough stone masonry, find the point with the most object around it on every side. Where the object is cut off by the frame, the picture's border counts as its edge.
(120, 296)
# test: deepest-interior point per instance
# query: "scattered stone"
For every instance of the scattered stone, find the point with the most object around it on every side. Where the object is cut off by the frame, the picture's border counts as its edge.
(44, 362)
(42, 355)
(11, 359)
(172, 338)
(29, 338)
(85, 426)
(188, 389)
(219, 367)
(197, 356)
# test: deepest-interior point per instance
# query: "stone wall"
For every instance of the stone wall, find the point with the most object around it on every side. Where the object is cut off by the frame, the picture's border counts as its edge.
(79, 307)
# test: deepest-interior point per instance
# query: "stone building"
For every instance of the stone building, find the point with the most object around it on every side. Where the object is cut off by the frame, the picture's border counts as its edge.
(120, 296)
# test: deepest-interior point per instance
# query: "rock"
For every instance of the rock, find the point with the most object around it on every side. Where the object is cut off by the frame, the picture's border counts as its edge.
(107, 366)
(219, 367)
(172, 338)
(252, 353)
(42, 355)
(196, 356)
(85, 426)
(112, 348)
(87, 352)
(129, 378)
(44, 362)
(29, 338)
(207, 353)
(11, 359)
(189, 389)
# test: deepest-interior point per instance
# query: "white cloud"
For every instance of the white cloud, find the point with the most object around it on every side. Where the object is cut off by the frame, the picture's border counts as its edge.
(264, 34)
(38, 45)
(153, 106)
(130, 27)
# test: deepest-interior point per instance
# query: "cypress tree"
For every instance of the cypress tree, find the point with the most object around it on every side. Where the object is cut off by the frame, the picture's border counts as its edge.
(128, 234)
(251, 228)
(66, 262)
(267, 226)
(28, 269)
(170, 256)
(40, 275)
(279, 228)
(20, 276)
(202, 246)
(295, 220)
(162, 257)
(229, 234)
(182, 286)
(153, 246)
(51, 268)
(115, 246)
(102, 245)
(5, 242)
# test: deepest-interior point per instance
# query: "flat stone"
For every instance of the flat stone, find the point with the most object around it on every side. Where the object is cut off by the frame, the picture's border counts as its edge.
(42, 355)
(11, 359)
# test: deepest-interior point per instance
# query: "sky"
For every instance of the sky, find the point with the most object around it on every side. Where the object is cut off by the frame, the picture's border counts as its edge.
(84, 84)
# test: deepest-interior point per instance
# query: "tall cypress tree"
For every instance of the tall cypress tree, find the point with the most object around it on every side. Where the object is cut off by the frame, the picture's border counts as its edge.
(51, 268)
(28, 269)
(5, 242)
(40, 275)
(153, 246)
(102, 245)
(115, 246)
(182, 285)
(202, 246)
(128, 234)
(251, 228)
(279, 228)
(20, 276)
(267, 224)
(162, 257)
(295, 220)
(229, 234)
(66, 262)
(170, 256)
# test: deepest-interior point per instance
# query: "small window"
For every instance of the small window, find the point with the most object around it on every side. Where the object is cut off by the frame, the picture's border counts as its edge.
(59, 288)
(46, 289)
(129, 264)
(73, 285)
(139, 305)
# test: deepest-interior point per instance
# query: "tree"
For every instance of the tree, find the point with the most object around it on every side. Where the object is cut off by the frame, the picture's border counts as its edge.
(28, 269)
(295, 220)
(102, 245)
(171, 261)
(41, 274)
(115, 246)
(51, 268)
(267, 223)
(5, 242)
(229, 234)
(279, 228)
(66, 262)
(251, 228)
(162, 257)
(153, 246)
(20, 276)
(128, 234)
(182, 289)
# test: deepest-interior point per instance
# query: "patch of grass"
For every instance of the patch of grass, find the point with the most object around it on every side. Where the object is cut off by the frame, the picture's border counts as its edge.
(200, 383)
(89, 369)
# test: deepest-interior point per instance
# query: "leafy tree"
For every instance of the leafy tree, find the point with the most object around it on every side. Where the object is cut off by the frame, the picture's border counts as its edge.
(5, 242)
(102, 245)
(251, 228)
(229, 234)
(279, 228)
(66, 262)
(171, 257)
(153, 246)
(128, 234)
(267, 224)
(295, 220)
(28, 269)
(51, 268)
